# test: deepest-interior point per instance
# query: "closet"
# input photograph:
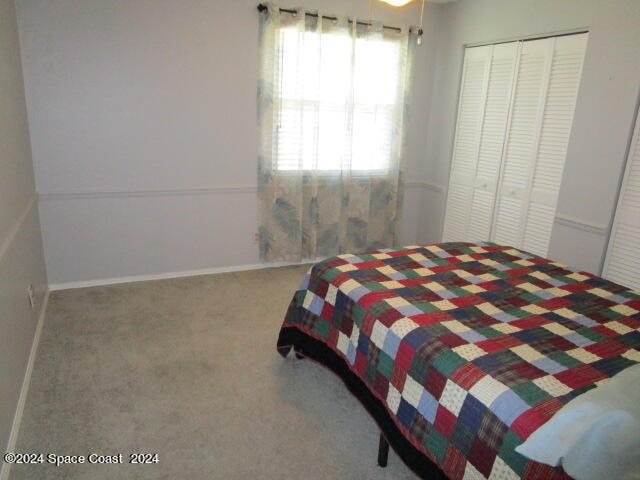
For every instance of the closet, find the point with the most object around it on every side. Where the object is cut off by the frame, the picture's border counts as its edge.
(515, 113)
(622, 263)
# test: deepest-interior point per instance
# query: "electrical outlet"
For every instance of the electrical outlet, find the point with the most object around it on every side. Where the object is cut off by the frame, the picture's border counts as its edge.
(32, 296)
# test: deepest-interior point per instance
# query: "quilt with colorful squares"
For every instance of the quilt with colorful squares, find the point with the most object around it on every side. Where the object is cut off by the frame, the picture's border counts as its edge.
(471, 347)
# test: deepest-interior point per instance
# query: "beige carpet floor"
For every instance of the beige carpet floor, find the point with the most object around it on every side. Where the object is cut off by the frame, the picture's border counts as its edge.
(187, 368)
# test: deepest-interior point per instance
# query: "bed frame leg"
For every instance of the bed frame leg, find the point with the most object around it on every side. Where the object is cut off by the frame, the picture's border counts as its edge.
(383, 451)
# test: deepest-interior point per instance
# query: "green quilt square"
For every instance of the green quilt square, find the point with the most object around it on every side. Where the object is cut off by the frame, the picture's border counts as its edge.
(426, 307)
(419, 369)
(385, 364)
(564, 359)
(436, 443)
(509, 455)
(611, 314)
(357, 314)
(530, 392)
(411, 274)
(330, 274)
(374, 286)
(448, 361)
(489, 332)
(518, 312)
(322, 327)
(590, 334)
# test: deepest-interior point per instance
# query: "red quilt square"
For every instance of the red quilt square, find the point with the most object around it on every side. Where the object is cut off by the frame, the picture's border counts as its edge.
(495, 344)
(527, 423)
(381, 385)
(435, 382)
(424, 319)
(555, 303)
(467, 300)
(519, 272)
(482, 457)
(607, 348)
(404, 356)
(529, 322)
(390, 316)
(560, 343)
(467, 375)
(327, 310)
(452, 340)
(369, 299)
(445, 421)
(454, 463)
(633, 304)
(580, 376)
(602, 330)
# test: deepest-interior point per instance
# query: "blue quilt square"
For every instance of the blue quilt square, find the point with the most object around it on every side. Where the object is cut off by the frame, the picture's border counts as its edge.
(351, 353)
(363, 343)
(397, 276)
(471, 336)
(406, 413)
(428, 406)
(416, 337)
(358, 292)
(548, 365)
(586, 321)
(509, 406)
(316, 305)
(578, 339)
(409, 310)
(504, 317)
(471, 413)
(391, 344)
(305, 282)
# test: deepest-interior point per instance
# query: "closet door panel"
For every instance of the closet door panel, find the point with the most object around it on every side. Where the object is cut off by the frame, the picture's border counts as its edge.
(522, 140)
(496, 113)
(559, 107)
(622, 263)
(475, 77)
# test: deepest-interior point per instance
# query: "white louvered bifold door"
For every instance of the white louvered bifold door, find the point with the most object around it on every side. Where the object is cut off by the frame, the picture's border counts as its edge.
(560, 104)
(622, 264)
(482, 116)
(546, 88)
(475, 77)
(496, 113)
(522, 140)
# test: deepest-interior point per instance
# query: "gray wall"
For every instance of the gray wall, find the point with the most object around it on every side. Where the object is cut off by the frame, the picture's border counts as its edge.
(143, 126)
(21, 261)
(604, 112)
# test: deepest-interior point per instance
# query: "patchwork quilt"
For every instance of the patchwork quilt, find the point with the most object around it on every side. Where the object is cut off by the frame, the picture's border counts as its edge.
(471, 347)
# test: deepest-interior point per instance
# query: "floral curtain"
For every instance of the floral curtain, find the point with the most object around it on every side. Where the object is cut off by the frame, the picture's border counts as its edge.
(332, 103)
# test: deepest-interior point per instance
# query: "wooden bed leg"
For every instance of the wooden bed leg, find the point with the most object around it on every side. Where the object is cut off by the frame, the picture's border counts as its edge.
(383, 451)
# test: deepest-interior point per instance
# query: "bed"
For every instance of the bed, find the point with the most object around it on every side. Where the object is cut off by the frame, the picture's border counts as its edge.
(460, 351)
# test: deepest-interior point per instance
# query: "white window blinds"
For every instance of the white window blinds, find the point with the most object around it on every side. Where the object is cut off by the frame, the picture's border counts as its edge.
(337, 107)
(514, 119)
(622, 264)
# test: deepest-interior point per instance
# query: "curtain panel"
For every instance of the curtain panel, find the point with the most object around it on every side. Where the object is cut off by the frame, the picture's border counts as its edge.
(332, 109)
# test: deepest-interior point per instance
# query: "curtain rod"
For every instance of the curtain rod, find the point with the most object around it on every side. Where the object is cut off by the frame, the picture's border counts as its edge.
(262, 7)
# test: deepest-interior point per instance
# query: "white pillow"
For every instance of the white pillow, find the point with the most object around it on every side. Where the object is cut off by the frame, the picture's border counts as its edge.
(596, 435)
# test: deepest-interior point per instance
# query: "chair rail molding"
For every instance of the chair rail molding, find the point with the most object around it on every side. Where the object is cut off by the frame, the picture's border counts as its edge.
(15, 228)
(580, 224)
(80, 194)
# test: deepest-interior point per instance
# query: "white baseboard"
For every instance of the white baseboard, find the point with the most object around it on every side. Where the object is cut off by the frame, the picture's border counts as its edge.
(167, 275)
(22, 399)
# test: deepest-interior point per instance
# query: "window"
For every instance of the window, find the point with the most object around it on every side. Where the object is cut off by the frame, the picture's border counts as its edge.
(332, 96)
(338, 102)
